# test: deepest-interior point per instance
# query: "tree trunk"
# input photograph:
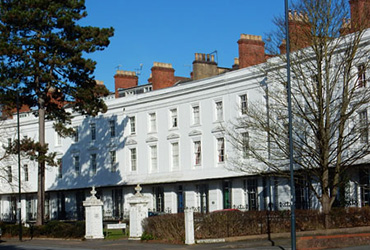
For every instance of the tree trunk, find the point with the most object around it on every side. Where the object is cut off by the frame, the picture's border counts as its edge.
(326, 206)
(41, 169)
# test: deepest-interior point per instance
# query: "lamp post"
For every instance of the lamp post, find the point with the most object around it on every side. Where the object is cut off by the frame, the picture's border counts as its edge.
(19, 173)
(291, 160)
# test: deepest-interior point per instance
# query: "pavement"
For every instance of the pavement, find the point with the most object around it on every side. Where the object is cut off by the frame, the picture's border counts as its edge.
(57, 244)
(275, 241)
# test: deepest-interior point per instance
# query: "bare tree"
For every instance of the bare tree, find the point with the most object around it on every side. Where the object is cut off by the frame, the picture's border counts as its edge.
(329, 59)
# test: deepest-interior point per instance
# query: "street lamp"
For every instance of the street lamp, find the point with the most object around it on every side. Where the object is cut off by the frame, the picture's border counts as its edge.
(291, 160)
(19, 173)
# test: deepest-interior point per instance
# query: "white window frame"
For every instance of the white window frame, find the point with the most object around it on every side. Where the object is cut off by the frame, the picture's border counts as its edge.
(76, 164)
(245, 144)
(173, 118)
(76, 134)
(93, 163)
(60, 168)
(175, 155)
(197, 149)
(196, 114)
(153, 154)
(113, 160)
(361, 76)
(219, 110)
(112, 128)
(132, 120)
(9, 174)
(364, 126)
(243, 99)
(93, 131)
(26, 172)
(221, 150)
(152, 122)
(133, 159)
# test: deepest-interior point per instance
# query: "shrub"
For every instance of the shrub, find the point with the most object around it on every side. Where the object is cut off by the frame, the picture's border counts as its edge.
(54, 229)
(236, 223)
(169, 227)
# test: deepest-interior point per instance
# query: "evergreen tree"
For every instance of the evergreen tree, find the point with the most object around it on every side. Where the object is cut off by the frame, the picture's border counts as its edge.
(42, 49)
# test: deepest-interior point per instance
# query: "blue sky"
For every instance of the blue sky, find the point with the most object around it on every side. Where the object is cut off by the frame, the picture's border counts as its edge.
(171, 31)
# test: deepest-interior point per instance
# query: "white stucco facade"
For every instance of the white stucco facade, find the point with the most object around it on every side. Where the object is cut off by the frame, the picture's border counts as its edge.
(166, 140)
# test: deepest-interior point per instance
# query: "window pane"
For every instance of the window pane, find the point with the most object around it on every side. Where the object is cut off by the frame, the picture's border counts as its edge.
(112, 126)
(133, 159)
(198, 153)
(153, 157)
(93, 163)
(112, 155)
(174, 118)
(76, 134)
(362, 76)
(175, 155)
(152, 122)
(243, 104)
(132, 125)
(364, 130)
(10, 174)
(93, 131)
(221, 149)
(60, 168)
(219, 111)
(245, 144)
(76, 163)
(196, 115)
(25, 169)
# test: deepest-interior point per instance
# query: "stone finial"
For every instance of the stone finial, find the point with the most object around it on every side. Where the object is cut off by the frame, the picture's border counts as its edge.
(93, 192)
(138, 190)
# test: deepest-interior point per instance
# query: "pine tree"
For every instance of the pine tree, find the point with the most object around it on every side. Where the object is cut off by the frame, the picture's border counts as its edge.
(42, 49)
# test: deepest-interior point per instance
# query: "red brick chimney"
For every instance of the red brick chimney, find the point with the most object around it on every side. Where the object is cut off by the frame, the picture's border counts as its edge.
(282, 47)
(251, 50)
(299, 31)
(124, 80)
(360, 14)
(163, 75)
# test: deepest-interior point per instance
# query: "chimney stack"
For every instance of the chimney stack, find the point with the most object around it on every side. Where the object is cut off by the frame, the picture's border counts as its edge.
(360, 14)
(204, 66)
(282, 47)
(299, 31)
(163, 75)
(236, 63)
(251, 50)
(124, 80)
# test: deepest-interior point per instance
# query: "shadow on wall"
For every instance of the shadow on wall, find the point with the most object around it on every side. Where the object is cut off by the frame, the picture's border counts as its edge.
(93, 160)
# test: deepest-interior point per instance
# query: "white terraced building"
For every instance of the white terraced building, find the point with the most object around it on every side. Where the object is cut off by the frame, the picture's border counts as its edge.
(167, 136)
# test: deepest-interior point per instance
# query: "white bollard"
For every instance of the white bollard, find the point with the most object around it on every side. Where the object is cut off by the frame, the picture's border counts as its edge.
(189, 226)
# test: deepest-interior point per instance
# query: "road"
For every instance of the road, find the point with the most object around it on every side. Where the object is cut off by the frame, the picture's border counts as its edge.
(58, 244)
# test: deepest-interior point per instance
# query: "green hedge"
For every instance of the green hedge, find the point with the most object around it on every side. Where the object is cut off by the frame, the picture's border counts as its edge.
(52, 229)
(170, 227)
